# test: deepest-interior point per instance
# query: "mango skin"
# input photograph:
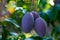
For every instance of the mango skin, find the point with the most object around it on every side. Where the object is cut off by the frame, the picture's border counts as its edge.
(35, 14)
(40, 26)
(27, 22)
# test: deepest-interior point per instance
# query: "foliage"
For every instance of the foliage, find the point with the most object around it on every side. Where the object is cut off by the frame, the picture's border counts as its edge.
(12, 12)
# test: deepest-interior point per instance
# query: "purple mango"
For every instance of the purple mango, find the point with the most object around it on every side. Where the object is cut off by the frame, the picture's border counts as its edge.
(35, 14)
(40, 26)
(27, 22)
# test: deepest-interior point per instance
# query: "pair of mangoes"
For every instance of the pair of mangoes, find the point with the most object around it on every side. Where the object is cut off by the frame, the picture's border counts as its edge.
(33, 20)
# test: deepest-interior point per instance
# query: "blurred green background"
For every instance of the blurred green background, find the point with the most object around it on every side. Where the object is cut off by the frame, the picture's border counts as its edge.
(12, 11)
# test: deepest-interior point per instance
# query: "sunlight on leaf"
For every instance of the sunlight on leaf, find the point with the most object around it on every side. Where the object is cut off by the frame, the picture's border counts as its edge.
(13, 33)
(29, 39)
(12, 21)
(32, 33)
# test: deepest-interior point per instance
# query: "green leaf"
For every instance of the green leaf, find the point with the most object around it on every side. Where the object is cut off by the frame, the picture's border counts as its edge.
(5, 32)
(43, 3)
(57, 30)
(45, 17)
(49, 13)
(49, 38)
(29, 39)
(13, 34)
(0, 37)
(17, 16)
(12, 21)
(22, 36)
(55, 11)
(36, 37)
